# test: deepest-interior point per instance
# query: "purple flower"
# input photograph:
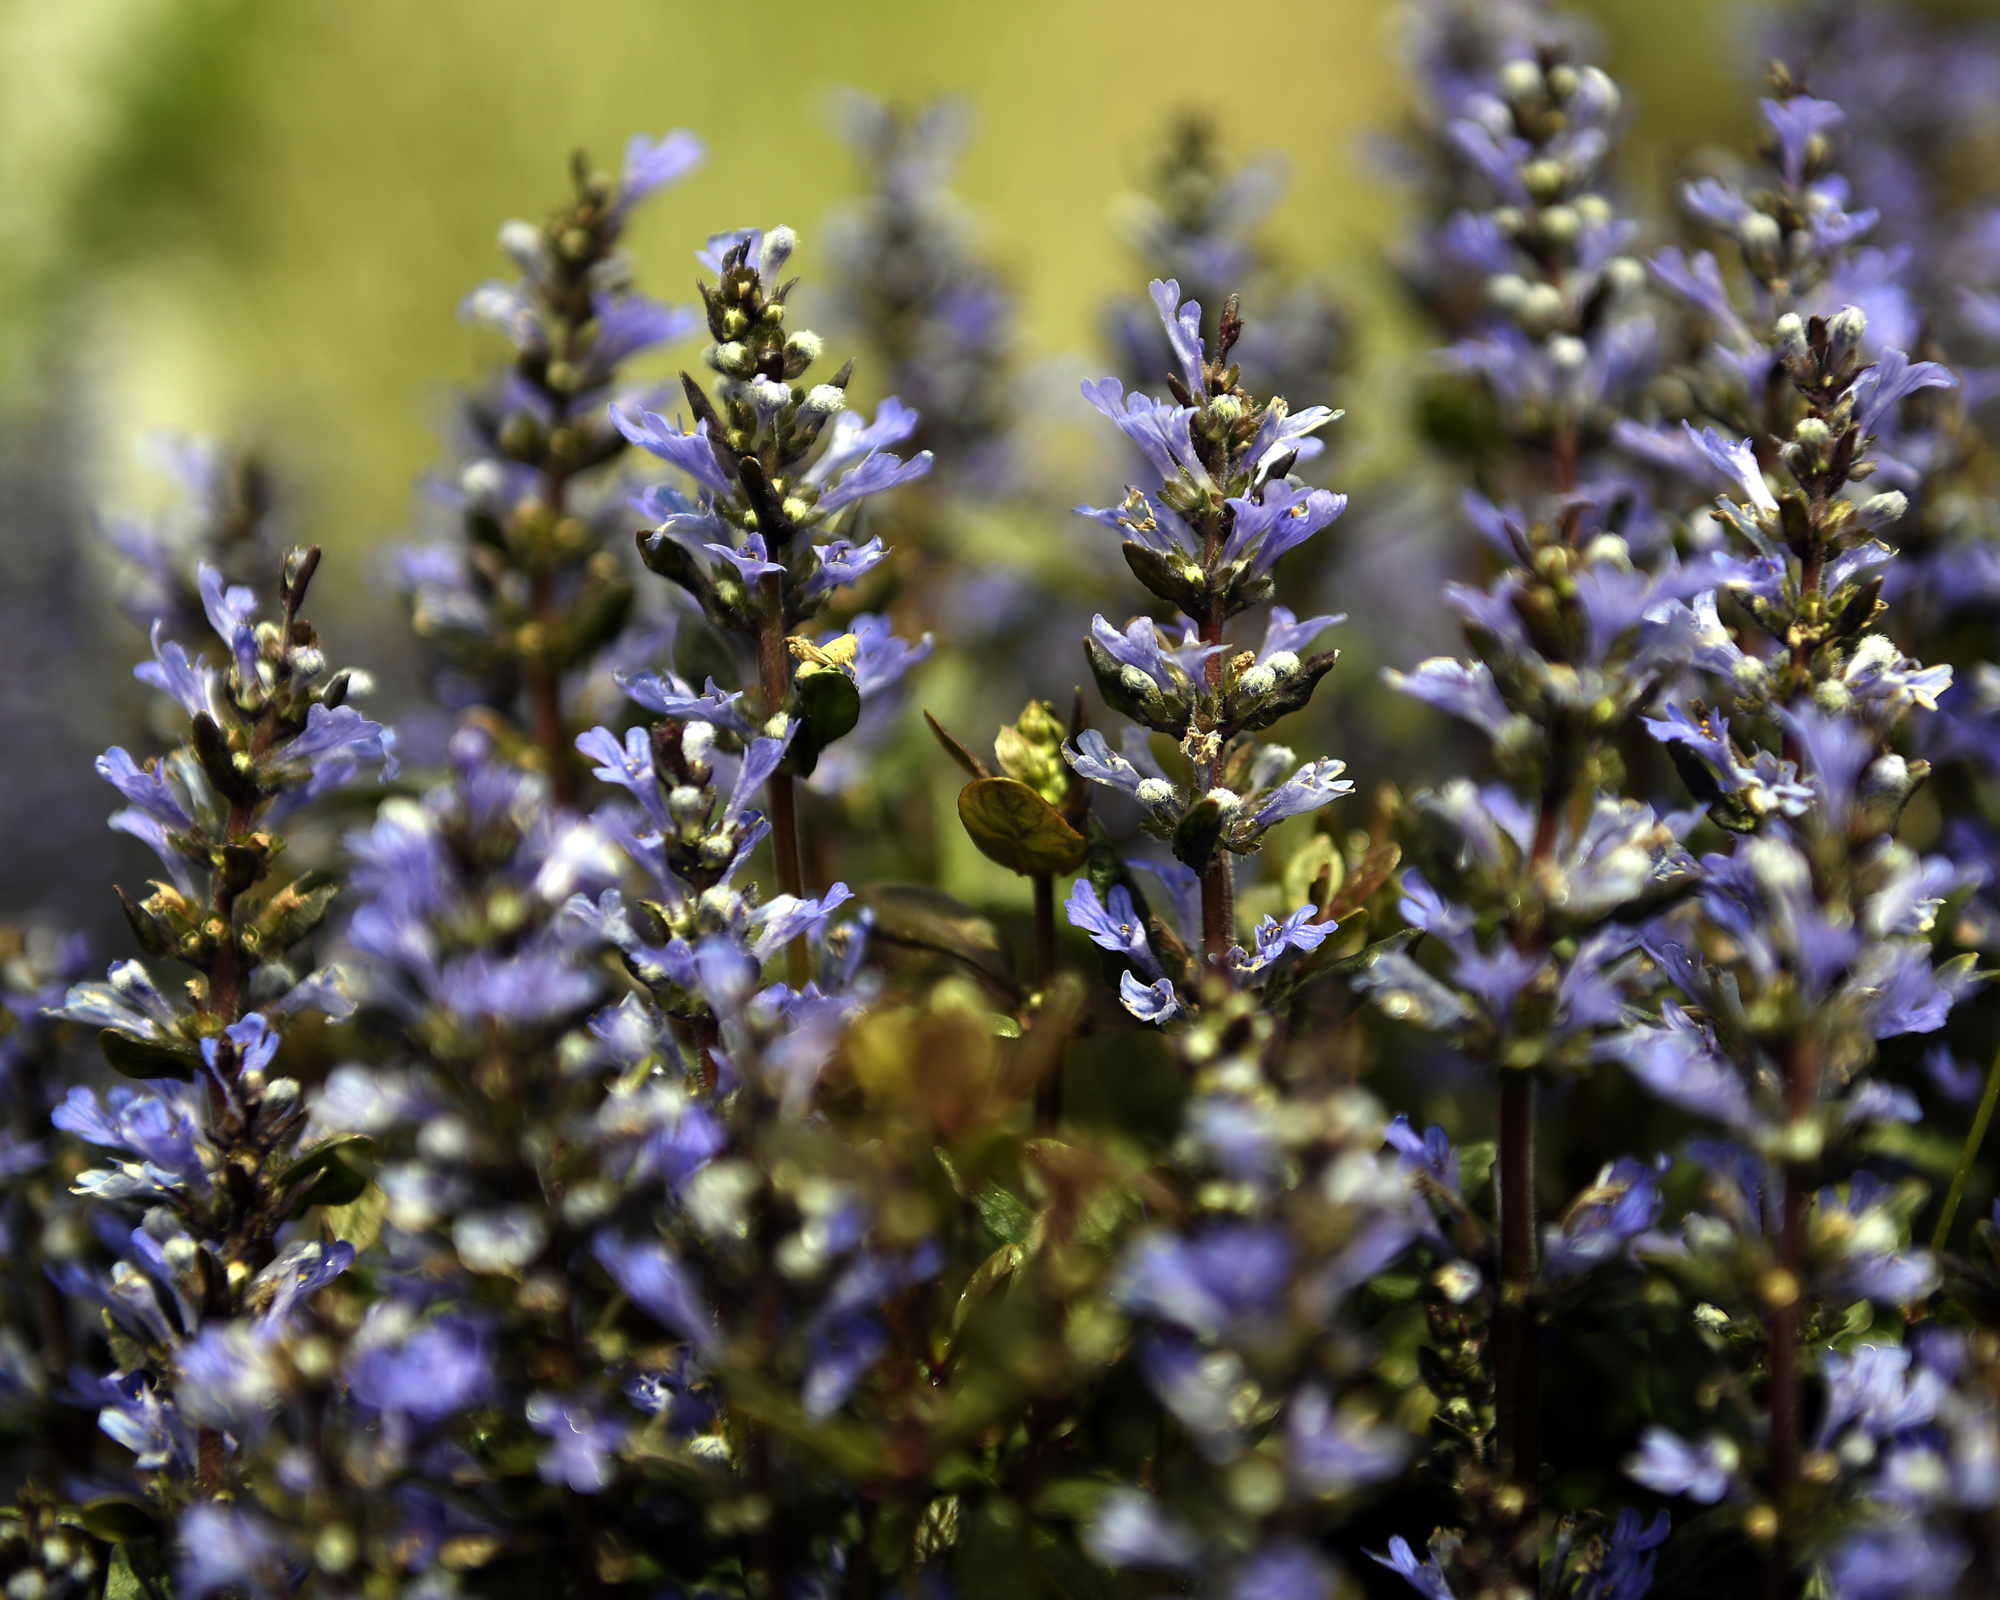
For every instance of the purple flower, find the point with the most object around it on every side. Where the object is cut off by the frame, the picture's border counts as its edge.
(1283, 1569)
(1226, 1275)
(1273, 939)
(652, 164)
(1462, 689)
(221, 1547)
(1311, 787)
(145, 787)
(1797, 122)
(1331, 1451)
(582, 1444)
(691, 452)
(1115, 927)
(843, 1351)
(1668, 1464)
(1132, 1529)
(443, 1367)
(1432, 1154)
(1629, 1558)
(658, 1284)
(1183, 325)
(1893, 378)
(1621, 1205)
(1426, 1577)
(1283, 518)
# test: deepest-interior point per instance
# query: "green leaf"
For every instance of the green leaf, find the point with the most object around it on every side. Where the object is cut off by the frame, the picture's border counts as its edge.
(320, 1158)
(138, 1571)
(1198, 834)
(1004, 1214)
(295, 911)
(1016, 827)
(145, 1058)
(114, 1520)
(338, 1184)
(829, 705)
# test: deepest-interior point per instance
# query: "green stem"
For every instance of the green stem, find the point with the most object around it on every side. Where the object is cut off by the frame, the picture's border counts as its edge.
(1973, 1140)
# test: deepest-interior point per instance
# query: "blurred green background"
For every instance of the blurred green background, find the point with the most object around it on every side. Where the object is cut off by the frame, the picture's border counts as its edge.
(258, 217)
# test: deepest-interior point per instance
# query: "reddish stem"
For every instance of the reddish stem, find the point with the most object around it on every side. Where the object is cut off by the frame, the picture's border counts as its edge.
(776, 679)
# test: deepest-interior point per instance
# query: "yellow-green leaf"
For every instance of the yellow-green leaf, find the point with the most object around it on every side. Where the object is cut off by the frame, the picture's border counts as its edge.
(1016, 827)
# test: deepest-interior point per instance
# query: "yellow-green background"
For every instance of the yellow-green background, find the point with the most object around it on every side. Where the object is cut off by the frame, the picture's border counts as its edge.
(257, 216)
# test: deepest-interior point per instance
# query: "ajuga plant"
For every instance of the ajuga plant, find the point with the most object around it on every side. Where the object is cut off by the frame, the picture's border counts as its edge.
(1198, 223)
(909, 282)
(777, 464)
(202, 1183)
(1203, 536)
(1531, 889)
(532, 585)
(223, 514)
(1812, 939)
(594, 1205)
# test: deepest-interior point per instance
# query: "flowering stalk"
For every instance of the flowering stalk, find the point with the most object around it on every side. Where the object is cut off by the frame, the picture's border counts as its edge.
(1198, 223)
(1205, 536)
(908, 281)
(218, 1161)
(1790, 996)
(1531, 902)
(530, 592)
(775, 463)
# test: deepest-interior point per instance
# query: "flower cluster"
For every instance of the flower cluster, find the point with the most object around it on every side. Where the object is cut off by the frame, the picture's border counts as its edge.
(530, 588)
(1197, 223)
(576, 1170)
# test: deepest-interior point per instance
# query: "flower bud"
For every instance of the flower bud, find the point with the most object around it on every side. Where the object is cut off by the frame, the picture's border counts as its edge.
(1520, 79)
(1844, 332)
(1270, 766)
(525, 245)
(824, 399)
(1154, 792)
(1567, 353)
(802, 349)
(1258, 682)
(1881, 510)
(1788, 334)
(779, 244)
(1283, 663)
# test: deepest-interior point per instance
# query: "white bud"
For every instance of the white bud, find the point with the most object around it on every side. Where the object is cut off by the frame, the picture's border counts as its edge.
(1568, 354)
(1226, 800)
(1880, 510)
(1154, 792)
(684, 800)
(825, 399)
(1134, 681)
(1519, 79)
(1788, 333)
(525, 245)
(1607, 549)
(1625, 275)
(775, 728)
(1506, 290)
(1283, 663)
(1258, 681)
(779, 244)
(697, 740)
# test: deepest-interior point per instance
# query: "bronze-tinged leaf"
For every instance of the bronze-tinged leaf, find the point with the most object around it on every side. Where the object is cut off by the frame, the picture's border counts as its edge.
(958, 749)
(1369, 874)
(1016, 827)
(145, 1059)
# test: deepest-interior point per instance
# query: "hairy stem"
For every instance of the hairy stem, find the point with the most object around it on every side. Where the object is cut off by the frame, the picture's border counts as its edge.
(1801, 1067)
(1218, 916)
(776, 680)
(1516, 1377)
(1973, 1140)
